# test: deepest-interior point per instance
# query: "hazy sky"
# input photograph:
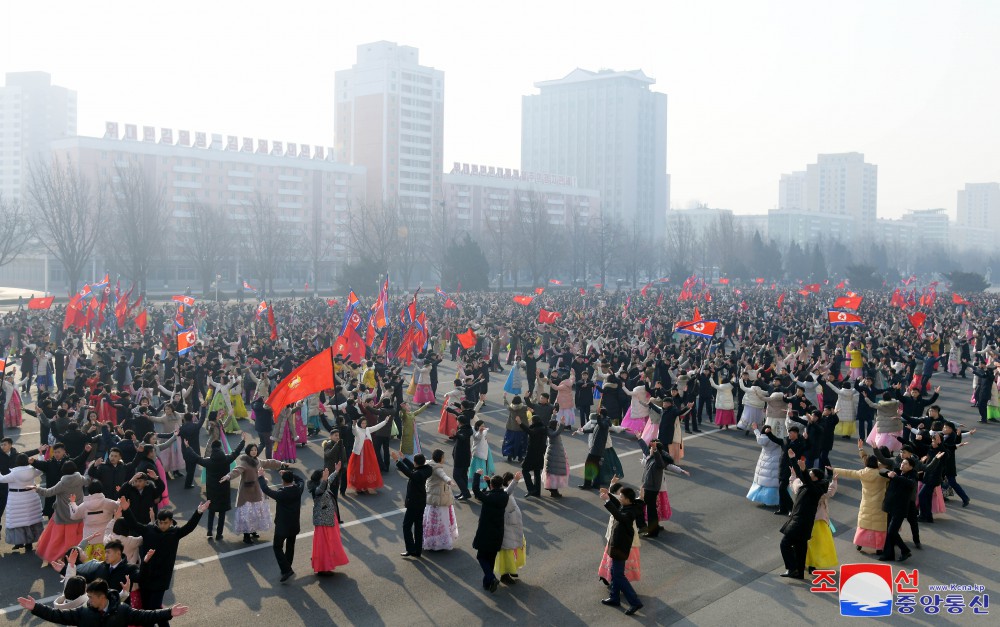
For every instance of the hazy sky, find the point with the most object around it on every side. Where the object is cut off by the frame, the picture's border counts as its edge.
(755, 88)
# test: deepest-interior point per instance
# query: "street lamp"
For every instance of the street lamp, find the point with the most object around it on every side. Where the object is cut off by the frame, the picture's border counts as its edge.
(218, 278)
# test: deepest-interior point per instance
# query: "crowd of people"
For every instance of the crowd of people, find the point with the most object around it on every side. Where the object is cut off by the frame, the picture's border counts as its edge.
(125, 419)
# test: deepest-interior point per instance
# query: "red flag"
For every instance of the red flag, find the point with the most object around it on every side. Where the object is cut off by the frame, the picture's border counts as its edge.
(598, 286)
(746, 307)
(840, 285)
(467, 339)
(350, 345)
(272, 323)
(524, 300)
(843, 318)
(554, 282)
(781, 300)
(41, 303)
(805, 293)
(186, 338)
(958, 300)
(187, 300)
(759, 280)
(583, 292)
(917, 319)
(331, 302)
(847, 302)
(659, 300)
(723, 281)
(645, 288)
(450, 304)
(852, 294)
(140, 321)
(897, 299)
(539, 290)
(697, 315)
(311, 377)
(812, 287)
(708, 296)
(73, 311)
(701, 328)
(548, 317)
(912, 300)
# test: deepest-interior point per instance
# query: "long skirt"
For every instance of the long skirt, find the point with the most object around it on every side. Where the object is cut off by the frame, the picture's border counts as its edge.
(937, 499)
(509, 561)
(751, 415)
(486, 465)
(448, 426)
(252, 517)
(760, 494)
(650, 432)
(12, 415)
(676, 450)
(239, 409)
(633, 425)
(869, 538)
(362, 470)
(285, 450)
(165, 498)
(725, 417)
(992, 412)
(567, 415)
(512, 385)
(954, 366)
(515, 443)
(610, 466)
(328, 551)
(301, 431)
(633, 569)
(887, 440)
(57, 539)
(440, 527)
(821, 552)
(172, 457)
(28, 534)
(663, 510)
(551, 481)
(424, 394)
(845, 427)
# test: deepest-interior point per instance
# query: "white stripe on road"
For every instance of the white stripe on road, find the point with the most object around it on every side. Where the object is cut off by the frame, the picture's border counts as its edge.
(308, 534)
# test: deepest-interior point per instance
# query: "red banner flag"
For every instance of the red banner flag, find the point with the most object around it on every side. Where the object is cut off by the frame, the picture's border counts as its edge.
(350, 345)
(840, 285)
(812, 287)
(759, 280)
(524, 300)
(467, 339)
(847, 302)
(140, 321)
(41, 303)
(539, 290)
(917, 319)
(781, 300)
(958, 300)
(555, 282)
(583, 292)
(331, 302)
(548, 317)
(723, 281)
(186, 300)
(311, 377)
(272, 323)
(843, 318)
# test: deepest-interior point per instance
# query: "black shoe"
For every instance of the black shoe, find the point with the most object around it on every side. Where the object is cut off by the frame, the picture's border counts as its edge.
(218, 536)
(965, 503)
(687, 431)
(494, 585)
(697, 430)
(905, 556)
(209, 537)
(286, 576)
(406, 554)
(917, 545)
(633, 609)
(254, 534)
(555, 494)
(925, 520)
(604, 581)
(585, 486)
(247, 539)
(781, 512)
(886, 558)
(507, 580)
(611, 603)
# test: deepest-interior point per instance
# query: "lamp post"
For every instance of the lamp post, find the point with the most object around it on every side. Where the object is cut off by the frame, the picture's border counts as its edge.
(218, 278)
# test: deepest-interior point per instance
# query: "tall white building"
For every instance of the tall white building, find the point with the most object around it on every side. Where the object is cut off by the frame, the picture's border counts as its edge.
(33, 112)
(979, 206)
(792, 191)
(389, 118)
(836, 185)
(609, 130)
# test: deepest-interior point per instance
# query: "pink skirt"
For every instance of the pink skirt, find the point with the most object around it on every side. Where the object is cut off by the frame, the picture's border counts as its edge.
(165, 499)
(725, 417)
(424, 394)
(556, 482)
(663, 506)
(676, 451)
(448, 426)
(57, 539)
(887, 440)
(12, 416)
(285, 451)
(634, 425)
(440, 528)
(328, 551)
(650, 432)
(937, 500)
(172, 457)
(633, 570)
(301, 431)
(868, 538)
(954, 366)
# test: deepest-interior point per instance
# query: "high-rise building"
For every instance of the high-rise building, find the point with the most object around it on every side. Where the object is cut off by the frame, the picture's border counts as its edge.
(609, 130)
(33, 112)
(979, 206)
(836, 185)
(389, 118)
(792, 192)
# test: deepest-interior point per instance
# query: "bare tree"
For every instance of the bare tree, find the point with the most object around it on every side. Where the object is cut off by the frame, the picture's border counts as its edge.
(205, 240)
(15, 230)
(374, 231)
(498, 236)
(67, 215)
(138, 222)
(410, 244)
(319, 247)
(608, 236)
(531, 224)
(682, 242)
(441, 232)
(270, 240)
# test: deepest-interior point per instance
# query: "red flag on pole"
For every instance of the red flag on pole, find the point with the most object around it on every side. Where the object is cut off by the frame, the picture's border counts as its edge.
(847, 302)
(781, 300)
(272, 323)
(467, 339)
(917, 319)
(723, 281)
(812, 287)
(311, 377)
(41, 303)
(524, 300)
(539, 290)
(140, 321)
(958, 300)
(186, 300)
(548, 317)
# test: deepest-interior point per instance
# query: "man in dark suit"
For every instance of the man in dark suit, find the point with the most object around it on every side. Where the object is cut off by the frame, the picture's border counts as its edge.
(798, 528)
(489, 533)
(286, 517)
(418, 472)
(896, 504)
(619, 547)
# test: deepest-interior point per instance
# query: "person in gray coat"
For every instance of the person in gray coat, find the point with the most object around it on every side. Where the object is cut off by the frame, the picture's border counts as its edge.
(63, 531)
(555, 472)
(654, 463)
(599, 428)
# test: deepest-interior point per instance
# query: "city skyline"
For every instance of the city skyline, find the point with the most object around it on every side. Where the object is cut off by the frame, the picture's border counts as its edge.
(746, 105)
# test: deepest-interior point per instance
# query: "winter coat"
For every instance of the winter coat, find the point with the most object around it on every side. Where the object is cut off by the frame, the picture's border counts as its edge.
(216, 467)
(461, 452)
(803, 514)
(887, 416)
(534, 459)
(95, 511)
(640, 402)
(156, 574)
(775, 409)
(490, 532)
(599, 428)
(847, 403)
(622, 530)
(899, 493)
(513, 526)
(870, 514)
(68, 484)
(438, 491)
(325, 510)
(514, 411)
(416, 485)
(555, 453)
(116, 614)
(768, 462)
(249, 490)
(754, 396)
(723, 395)
(24, 509)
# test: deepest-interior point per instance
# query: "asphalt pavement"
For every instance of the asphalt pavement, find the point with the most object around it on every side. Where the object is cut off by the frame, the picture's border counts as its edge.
(717, 562)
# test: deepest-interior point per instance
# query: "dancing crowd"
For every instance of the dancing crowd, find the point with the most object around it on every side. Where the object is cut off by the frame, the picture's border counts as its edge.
(125, 420)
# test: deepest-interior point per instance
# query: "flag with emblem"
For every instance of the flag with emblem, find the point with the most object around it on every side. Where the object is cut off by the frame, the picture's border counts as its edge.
(186, 339)
(41, 303)
(843, 318)
(699, 328)
(314, 376)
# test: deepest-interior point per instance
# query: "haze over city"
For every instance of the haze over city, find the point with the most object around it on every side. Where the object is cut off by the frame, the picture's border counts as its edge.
(755, 89)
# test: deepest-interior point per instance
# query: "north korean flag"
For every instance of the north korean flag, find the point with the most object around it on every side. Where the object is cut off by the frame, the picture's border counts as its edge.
(843, 318)
(700, 328)
(186, 339)
(185, 300)
(847, 302)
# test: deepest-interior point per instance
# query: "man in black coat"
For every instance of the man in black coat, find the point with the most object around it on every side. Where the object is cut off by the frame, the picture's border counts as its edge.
(218, 492)
(190, 435)
(620, 546)
(102, 608)
(489, 533)
(113, 474)
(599, 428)
(417, 473)
(534, 459)
(461, 454)
(114, 569)
(896, 504)
(161, 537)
(143, 492)
(792, 449)
(798, 528)
(288, 499)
